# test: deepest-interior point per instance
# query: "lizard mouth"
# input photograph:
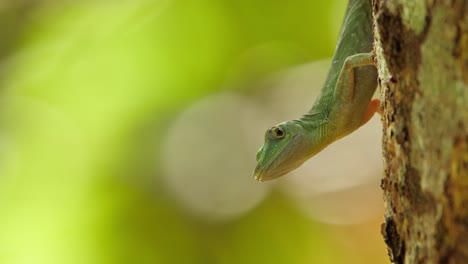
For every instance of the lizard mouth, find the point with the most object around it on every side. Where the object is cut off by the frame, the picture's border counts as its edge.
(261, 172)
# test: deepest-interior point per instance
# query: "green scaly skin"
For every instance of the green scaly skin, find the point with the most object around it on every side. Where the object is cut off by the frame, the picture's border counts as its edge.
(344, 103)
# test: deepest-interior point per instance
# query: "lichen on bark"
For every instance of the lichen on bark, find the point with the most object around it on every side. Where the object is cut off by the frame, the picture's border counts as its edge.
(423, 63)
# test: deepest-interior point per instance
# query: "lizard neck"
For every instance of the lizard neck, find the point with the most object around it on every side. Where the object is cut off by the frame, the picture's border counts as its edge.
(317, 132)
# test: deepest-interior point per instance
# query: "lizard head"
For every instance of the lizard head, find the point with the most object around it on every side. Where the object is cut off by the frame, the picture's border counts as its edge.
(285, 148)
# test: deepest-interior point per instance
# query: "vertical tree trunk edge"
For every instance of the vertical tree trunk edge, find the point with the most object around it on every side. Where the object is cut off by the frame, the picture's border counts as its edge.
(422, 57)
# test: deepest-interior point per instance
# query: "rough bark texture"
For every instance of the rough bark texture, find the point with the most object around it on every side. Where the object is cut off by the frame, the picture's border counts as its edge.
(422, 55)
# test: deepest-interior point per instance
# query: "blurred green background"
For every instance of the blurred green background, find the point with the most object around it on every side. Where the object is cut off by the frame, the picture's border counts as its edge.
(128, 134)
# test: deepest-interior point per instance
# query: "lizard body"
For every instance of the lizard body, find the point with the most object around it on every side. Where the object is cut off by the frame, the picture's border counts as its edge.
(344, 103)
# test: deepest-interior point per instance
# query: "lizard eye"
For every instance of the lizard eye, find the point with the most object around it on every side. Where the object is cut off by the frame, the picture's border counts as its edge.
(277, 132)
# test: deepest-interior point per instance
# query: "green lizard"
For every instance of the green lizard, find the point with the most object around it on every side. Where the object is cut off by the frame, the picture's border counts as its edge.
(344, 104)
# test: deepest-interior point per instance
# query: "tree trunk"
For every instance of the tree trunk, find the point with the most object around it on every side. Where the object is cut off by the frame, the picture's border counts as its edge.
(422, 55)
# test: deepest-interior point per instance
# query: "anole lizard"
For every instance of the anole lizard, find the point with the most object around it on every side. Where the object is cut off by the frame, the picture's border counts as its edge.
(344, 104)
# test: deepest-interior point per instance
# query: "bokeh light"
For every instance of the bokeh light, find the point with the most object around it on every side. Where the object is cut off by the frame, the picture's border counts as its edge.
(208, 156)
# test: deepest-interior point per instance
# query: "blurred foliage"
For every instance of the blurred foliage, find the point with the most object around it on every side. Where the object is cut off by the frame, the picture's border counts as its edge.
(87, 90)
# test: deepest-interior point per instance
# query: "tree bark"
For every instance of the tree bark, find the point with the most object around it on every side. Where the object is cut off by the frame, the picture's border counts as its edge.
(422, 55)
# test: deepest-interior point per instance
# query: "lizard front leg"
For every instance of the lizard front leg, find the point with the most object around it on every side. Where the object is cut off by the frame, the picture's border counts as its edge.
(345, 84)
